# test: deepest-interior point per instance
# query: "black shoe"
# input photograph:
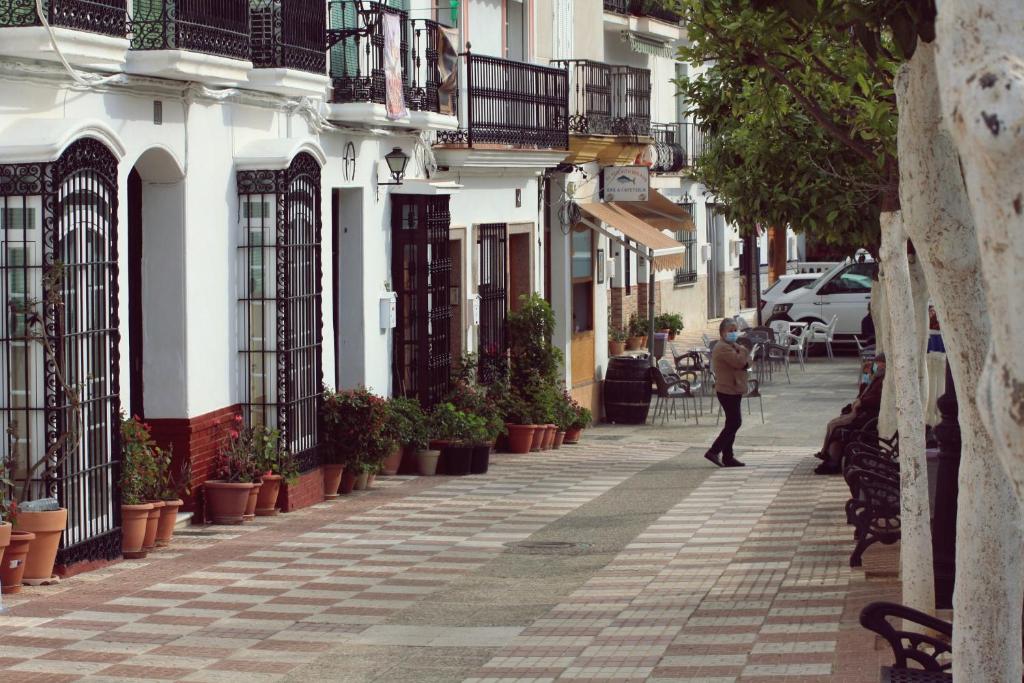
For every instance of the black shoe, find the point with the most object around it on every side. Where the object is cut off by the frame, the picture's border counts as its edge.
(827, 468)
(713, 457)
(731, 461)
(819, 455)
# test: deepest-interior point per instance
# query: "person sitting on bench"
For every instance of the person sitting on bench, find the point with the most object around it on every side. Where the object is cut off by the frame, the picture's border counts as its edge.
(854, 415)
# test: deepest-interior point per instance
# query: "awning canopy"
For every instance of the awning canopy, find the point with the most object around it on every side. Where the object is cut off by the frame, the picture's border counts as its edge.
(661, 212)
(647, 46)
(667, 252)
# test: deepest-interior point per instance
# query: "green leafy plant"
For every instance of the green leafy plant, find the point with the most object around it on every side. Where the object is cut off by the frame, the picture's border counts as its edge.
(451, 424)
(617, 334)
(271, 456)
(530, 331)
(140, 463)
(577, 416)
(175, 480)
(355, 425)
(639, 327)
(470, 396)
(565, 412)
(8, 505)
(673, 322)
(407, 423)
(236, 459)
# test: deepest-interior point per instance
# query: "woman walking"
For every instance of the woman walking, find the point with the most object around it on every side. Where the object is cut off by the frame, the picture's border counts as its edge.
(729, 361)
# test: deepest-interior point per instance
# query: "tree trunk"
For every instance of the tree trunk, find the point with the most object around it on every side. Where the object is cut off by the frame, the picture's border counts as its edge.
(880, 316)
(987, 597)
(902, 364)
(981, 76)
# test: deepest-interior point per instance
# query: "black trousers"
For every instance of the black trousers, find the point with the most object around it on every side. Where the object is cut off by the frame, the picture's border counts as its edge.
(733, 420)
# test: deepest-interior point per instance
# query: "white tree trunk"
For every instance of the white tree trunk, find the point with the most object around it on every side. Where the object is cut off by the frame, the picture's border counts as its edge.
(920, 296)
(987, 598)
(880, 316)
(981, 76)
(902, 370)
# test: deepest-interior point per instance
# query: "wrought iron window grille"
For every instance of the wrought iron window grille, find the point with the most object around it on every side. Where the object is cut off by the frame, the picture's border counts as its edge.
(492, 240)
(106, 17)
(63, 214)
(688, 273)
(280, 315)
(213, 27)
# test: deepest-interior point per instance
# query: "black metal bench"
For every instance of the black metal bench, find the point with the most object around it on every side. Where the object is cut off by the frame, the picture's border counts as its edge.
(932, 651)
(871, 469)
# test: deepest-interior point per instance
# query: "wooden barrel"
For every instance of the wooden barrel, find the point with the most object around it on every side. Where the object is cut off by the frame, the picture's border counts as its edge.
(627, 389)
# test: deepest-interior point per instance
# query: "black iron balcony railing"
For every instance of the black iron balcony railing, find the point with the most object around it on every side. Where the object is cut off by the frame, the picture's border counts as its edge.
(644, 8)
(678, 146)
(213, 27)
(288, 34)
(608, 99)
(356, 39)
(107, 17)
(513, 104)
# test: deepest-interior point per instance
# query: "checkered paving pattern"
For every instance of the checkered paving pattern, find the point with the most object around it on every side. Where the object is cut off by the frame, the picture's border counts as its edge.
(223, 604)
(745, 579)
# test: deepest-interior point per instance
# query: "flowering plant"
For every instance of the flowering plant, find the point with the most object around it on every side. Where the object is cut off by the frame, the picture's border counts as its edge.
(355, 428)
(141, 462)
(8, 506)
(407, 423)
(270, 455)
(237, 460)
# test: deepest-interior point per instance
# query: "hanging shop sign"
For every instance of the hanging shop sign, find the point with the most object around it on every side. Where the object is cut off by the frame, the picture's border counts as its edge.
(626, 183)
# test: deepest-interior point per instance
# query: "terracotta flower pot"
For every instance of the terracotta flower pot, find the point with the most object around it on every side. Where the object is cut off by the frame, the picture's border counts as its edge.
(616, 348)
(152, 522)
(333, 478)
(391, 463)
(361, 481)
(348, 481)
(47, 527)
(226, 501)
(266, 499)
(573, 435)
(549, 436)
(671, 335)
(426, 462)
(13, 568)
(634, 343)
(539, 433)
(168, 520)
(250, 505)
(520, 438)
(559, 439)
(133, 530)
(5, 536)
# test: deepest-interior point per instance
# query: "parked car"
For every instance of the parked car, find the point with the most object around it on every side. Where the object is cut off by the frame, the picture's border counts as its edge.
(844, 291)
(784, 285)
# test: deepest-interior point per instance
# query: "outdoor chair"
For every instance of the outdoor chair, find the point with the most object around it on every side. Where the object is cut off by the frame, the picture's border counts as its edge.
(781, 330)
(876, 514)
(753, 391)
(707, 340)
(741, 322)
(865, 347)
(822, 333)
(796, 344)
(929, 646)
(776, 357)
(669, 390)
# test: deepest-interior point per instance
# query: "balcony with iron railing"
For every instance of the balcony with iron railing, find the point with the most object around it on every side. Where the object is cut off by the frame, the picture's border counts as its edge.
(677, 146)
(92, 33)
(219, 28)
(288, 34)
(426, 57)
(512, 104)
(106, 17)
(608, 99)
(657, 9)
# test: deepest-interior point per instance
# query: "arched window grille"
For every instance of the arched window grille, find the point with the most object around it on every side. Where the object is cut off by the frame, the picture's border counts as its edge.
(280, 318)
(59, 340)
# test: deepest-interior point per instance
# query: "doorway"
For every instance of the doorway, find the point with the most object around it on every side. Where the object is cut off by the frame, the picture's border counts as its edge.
(492, 288)
(347, 287)
(456, 298)
(519, 270)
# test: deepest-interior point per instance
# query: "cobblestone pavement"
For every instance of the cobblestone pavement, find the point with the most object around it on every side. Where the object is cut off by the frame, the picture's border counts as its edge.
(627, 557)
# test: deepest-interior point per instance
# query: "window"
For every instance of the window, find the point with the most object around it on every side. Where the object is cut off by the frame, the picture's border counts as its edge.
(688, 273)
(279, 307)
(854, 279)
(582, 280)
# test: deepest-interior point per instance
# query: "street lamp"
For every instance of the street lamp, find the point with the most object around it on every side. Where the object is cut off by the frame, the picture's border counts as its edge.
(396, 160)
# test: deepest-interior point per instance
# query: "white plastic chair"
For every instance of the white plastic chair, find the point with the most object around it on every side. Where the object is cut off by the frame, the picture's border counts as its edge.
(819, 332)
(796, 344)
(781, 330)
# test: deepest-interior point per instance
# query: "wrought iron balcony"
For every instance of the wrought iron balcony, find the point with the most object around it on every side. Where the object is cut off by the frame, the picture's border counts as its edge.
(107, 17)
(288, 34)
(608, 99)
(643, 8)
(514, 104)
(213, 27)
(678, 146)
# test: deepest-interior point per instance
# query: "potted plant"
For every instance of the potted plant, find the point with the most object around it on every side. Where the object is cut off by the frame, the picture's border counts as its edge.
(355, 425)
(175, 482)
(8, 509)
(276, 464)
(669, 323)
(582, 418)
(616, 341)
(639, 328)
(408, 426)
(456, 431)
(138, 476)
(18, 542)
(565, 417)
(227, 493)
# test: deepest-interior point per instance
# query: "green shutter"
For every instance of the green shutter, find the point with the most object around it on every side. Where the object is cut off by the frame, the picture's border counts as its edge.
(344, 53)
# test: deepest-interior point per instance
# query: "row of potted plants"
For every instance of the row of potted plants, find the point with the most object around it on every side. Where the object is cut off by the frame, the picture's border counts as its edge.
(635, 335)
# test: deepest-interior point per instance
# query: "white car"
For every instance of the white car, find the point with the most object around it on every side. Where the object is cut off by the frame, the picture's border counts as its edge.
(784, 285)
(844, 292)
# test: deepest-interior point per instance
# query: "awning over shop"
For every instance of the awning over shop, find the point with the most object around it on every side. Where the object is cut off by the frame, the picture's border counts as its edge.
(667, 252)
(647, 46)
(660, 211)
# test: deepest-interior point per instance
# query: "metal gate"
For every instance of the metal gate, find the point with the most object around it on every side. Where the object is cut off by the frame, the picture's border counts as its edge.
(421, 272)
(280, 316)
(492, 288)
(59, 340)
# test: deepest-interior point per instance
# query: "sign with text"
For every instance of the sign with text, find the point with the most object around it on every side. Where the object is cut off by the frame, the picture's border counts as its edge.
(626, 183)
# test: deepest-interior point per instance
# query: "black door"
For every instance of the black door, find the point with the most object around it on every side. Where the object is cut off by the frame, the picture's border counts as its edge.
(493, 291)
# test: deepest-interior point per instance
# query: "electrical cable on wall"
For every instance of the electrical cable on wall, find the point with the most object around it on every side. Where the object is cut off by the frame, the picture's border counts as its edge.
(85, 80)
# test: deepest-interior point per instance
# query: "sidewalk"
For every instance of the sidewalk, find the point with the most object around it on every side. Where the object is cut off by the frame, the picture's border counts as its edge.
(627, 557)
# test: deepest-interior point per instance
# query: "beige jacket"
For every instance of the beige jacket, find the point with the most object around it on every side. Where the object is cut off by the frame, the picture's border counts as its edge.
(729, 362)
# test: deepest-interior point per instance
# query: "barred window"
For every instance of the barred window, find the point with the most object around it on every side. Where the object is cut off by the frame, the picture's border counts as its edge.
(688, 273)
